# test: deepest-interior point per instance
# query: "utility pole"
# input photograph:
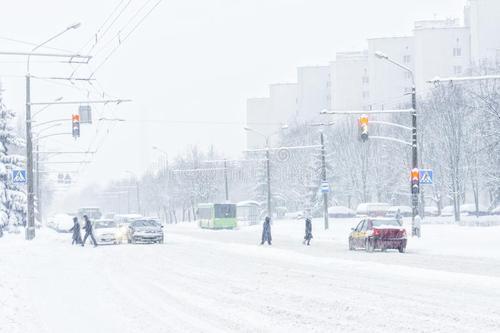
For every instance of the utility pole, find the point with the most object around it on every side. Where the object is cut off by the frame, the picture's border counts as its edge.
(268, 176)
(38, 191)
(30, 227)
(323, 178)
(414, 194)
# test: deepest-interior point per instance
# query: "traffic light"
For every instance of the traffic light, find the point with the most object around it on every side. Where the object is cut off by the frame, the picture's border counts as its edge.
(415, 181)
(363, 127)
(75, 125)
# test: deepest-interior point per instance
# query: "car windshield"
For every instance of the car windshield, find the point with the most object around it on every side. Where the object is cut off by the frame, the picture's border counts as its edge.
(145, 223)
(378, 223)
(105, 224)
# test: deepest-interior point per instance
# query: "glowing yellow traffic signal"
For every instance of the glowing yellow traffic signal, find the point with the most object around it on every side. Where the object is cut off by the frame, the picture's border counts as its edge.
(363, 127)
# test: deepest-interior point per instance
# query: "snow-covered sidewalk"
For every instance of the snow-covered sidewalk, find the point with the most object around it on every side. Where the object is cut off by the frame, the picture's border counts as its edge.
(222, 281)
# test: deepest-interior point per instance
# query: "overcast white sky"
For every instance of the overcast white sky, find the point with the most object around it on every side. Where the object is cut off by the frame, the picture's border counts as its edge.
(191, 65)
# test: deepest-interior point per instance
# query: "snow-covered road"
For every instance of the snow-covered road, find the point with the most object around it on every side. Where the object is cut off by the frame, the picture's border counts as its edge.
(222, 281)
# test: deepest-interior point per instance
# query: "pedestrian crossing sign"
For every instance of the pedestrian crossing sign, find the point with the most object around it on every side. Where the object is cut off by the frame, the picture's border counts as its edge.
(325, 187)
(19, 177)
(426, 177)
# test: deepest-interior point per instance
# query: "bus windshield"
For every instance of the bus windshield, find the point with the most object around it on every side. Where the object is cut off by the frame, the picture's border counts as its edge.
(225, 211)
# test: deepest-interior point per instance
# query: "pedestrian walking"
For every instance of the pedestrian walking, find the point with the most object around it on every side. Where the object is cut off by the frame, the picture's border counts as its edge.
(416, 226)
(266, 231)
(77, 236)
(88, 231)
(399, 217)
(308, 236)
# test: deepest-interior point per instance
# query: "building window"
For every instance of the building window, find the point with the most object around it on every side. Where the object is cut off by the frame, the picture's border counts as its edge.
(407, 59)
(366, 94)
(457, 52)
(365, 79)
(457, 70)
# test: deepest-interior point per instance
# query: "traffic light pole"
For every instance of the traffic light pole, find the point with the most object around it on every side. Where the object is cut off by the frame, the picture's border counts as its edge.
(323, 177)
(30, 223)
(414, 194)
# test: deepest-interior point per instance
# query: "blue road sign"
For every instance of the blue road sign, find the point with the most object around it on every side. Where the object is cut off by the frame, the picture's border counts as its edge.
(19, 177)
(426, 177)
(325, 187)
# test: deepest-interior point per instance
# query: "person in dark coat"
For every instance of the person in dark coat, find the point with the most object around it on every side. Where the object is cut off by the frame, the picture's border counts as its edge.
(266, 231)
(88, 231)
(308, 236)
(77, 236)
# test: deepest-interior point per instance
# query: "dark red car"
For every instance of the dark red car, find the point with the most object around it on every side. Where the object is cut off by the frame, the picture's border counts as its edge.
(378, 233)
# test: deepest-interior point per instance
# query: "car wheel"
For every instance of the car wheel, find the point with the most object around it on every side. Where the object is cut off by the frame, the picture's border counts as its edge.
(351, 247)
(402, 249)
(369, 246)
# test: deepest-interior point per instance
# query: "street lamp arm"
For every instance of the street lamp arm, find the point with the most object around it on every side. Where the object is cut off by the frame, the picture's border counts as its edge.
(383, 56)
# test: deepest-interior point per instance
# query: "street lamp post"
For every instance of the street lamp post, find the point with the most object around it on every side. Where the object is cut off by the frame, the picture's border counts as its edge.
(414, 155)
(323, 172)
(268, 163)
(30, 227)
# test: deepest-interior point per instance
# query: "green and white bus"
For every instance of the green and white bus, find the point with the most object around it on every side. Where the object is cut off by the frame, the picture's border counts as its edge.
(217, 216)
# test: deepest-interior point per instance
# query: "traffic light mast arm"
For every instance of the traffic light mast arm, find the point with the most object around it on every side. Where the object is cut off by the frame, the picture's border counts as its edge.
(391, 139)
(390, 124)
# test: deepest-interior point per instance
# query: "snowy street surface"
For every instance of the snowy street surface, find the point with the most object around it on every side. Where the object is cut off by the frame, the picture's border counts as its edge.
(223, 281)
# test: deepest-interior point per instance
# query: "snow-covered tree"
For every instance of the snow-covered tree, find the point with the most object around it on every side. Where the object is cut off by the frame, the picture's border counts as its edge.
(13, 199)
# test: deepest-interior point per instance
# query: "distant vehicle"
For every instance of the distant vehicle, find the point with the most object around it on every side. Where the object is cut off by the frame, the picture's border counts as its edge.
(145, 231)
(248, 212)
(470, 210)
(109, 216)
(105, 231)
(465, 210)
(123, 221)
(371, 234)
(341, 212)
(372, 209)
(296, 215)
(61, 222)
(448, 211)
(217, 216)
(93, 213)
(431, 211)
(405, 211)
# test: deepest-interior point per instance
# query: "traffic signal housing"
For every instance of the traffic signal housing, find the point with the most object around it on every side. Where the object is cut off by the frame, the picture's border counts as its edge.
(363, 127)
(75, 125)
(415, 181)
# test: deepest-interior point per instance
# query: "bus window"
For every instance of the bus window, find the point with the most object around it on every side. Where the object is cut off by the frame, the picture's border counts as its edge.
(225, 211)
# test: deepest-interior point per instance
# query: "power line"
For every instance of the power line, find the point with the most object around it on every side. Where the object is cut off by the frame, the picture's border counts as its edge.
(34, 44)
(96, 36)
(126, 36)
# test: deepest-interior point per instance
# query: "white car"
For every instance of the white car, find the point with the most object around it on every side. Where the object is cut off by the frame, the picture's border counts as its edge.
(105, 232)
